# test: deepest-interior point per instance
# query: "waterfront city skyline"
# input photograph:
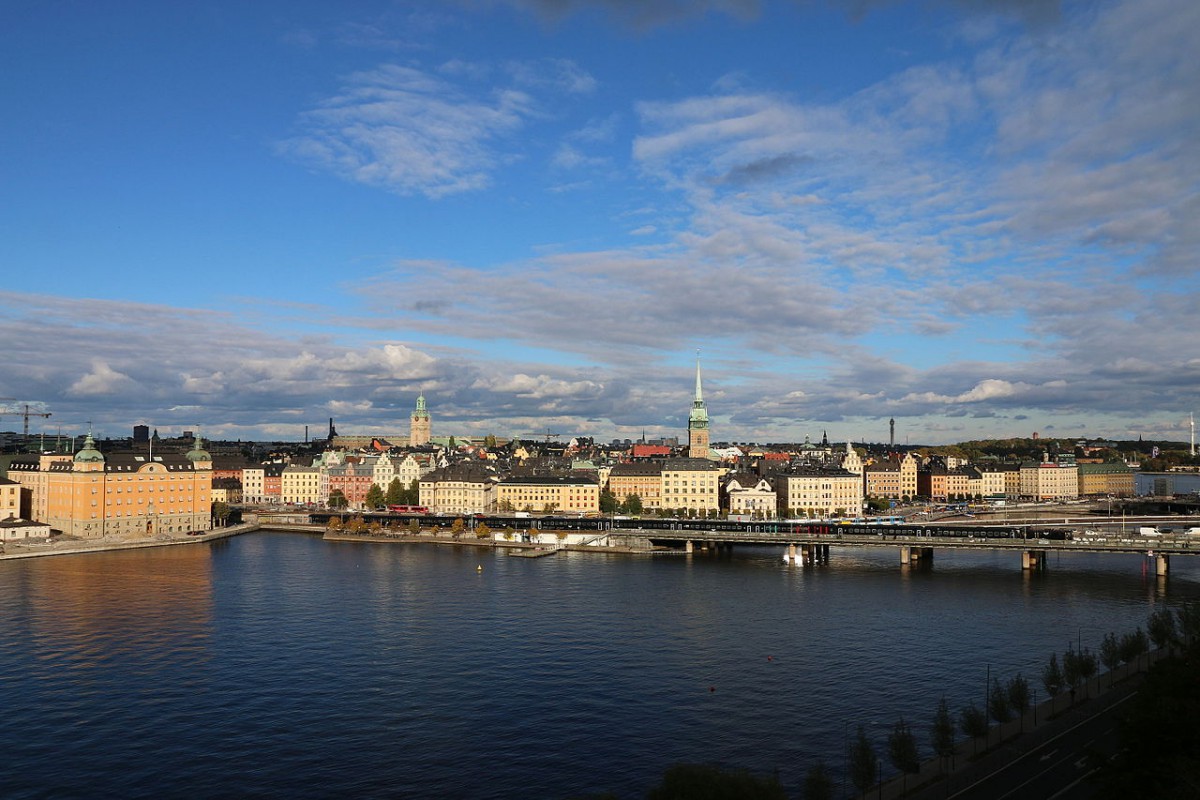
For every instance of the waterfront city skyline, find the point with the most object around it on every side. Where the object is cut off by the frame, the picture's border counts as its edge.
(980, 222)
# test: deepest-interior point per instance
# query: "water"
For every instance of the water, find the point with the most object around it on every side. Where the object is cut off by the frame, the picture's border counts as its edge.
(282, 665)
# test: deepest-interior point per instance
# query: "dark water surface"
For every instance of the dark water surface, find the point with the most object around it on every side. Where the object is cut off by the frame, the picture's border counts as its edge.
(281, 665)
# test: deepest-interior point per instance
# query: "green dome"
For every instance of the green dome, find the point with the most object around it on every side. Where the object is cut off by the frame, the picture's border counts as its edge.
(198, 453)
(89, 453)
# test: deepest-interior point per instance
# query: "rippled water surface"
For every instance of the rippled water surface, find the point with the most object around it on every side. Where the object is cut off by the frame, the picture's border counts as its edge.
(282, 665)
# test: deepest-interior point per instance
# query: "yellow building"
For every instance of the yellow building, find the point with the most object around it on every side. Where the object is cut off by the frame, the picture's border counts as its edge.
(458, 489)
(1106, 479)
(641, 478)
(691, 484)
(10, 499)
(543, 493)
(820, 492)
(32, 472)
(300, 485)
(1049, 481)
(892, 479)
(129, 494)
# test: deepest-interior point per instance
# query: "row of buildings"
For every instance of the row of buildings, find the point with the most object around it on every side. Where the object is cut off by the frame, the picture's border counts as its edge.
(138, 493)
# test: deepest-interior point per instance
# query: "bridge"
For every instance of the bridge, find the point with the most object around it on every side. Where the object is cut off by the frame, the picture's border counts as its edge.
(809, 542)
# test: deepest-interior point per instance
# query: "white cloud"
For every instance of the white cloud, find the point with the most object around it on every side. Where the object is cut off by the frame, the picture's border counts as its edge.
(102, 381)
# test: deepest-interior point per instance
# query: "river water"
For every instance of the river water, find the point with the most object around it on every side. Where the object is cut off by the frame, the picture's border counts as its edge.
(275, 664)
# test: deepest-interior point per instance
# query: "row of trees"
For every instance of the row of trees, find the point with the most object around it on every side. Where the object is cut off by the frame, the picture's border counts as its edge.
(1005, 701)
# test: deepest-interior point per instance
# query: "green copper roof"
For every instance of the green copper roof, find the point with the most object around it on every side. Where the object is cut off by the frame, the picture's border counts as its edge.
(89, 453)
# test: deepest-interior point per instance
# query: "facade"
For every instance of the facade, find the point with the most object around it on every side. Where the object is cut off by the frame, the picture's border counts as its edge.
(301, 485)
(1049, 481)
(568, 494)
(819, 492)
(698, 423)
(642, 478)
(747, 495)
(353, 477)
(32, 473)
(1105, 479)
(128, 494)
(253, 480)
(10, 499)
(892, 479)
(459, 489)
(690, 485)
(419, 426)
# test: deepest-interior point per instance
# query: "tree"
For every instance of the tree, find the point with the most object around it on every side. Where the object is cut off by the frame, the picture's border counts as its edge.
(941, 732)
(456, 527)
(504, 506)
(1018, 696)
(608, 502)
(395, 493)
(818, 783)
(997, 705)
(864, 764)
(1052, 676)
(334, 524)
(1110, 654)
(632, 504)
(221, 512)
(414, 527)
(374, 497)
(974, 723)
(549, 507)
(1161, 626)
(489, 441)
(1132, 645)
(482, 531)
(1085, 664)
(337, 500)
(902, 750)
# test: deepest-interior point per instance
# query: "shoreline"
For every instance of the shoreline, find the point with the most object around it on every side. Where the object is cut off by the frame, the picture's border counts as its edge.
(67, 547)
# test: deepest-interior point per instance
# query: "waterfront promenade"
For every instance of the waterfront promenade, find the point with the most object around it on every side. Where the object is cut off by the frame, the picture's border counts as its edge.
(61, 546)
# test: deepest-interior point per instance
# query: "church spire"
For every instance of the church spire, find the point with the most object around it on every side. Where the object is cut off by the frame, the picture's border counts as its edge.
(698, 421)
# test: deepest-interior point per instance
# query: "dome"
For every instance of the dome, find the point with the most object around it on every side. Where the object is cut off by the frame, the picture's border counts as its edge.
(198, 453)
(89, 453)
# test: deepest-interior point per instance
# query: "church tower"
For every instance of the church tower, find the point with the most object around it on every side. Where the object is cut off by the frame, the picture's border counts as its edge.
(418, 426)
(698, 422)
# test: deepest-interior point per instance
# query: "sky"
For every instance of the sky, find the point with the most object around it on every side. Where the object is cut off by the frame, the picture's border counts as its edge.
(980, 219)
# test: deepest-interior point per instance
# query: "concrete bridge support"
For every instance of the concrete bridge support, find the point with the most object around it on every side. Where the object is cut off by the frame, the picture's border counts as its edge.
(906, 555)
(1161, 565)
(689, 547)
(1033, 559)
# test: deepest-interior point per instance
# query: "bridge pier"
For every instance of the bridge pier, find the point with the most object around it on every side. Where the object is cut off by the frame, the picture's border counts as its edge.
(791, 553)
(1162, 564)
(905, 554)
(688, 547)
(1033, 559)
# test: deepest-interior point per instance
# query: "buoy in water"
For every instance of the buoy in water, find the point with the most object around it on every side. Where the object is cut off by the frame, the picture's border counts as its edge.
(479, 568)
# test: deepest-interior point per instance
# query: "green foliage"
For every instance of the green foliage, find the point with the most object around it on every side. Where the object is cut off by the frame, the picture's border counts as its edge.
(972, 721)
(337, 499)
(608, 502)
(395, 493)
(1053, 679)
(221, 511)
(1132, 645)
(1018, 693)
(456, 527)
(818, 783)
(632, 504)
(902, 748)
(482, 531)
(864, 764)
(414, 527)
(941, 732)
(704, 782)
(1162, 628)
(1110, 651)
(374, 497)
(1159, 754)
(997, 704)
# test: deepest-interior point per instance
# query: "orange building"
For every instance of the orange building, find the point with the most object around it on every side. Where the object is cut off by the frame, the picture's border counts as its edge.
(127, 494)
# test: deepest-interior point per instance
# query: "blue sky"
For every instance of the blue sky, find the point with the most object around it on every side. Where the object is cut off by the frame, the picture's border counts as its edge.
(979, 218)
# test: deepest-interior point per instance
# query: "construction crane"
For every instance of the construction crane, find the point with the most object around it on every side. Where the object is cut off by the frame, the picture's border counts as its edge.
(27, 413)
